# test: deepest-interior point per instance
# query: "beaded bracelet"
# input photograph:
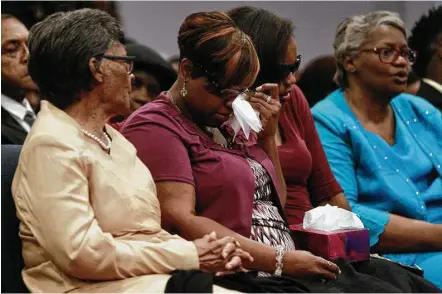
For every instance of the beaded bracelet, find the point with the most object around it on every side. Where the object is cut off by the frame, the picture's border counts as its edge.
(279, 258)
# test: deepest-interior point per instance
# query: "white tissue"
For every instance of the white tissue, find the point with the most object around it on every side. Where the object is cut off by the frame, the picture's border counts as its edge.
(331, 218)
(244, 117)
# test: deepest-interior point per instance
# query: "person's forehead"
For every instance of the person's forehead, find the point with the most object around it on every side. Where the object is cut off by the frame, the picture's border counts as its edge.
(386, 34)
(117, 48)
(13, 29)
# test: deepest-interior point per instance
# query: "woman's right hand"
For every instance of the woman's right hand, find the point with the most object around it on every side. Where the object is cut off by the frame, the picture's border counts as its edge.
(223, 255)
(299, 263)
(268, 110)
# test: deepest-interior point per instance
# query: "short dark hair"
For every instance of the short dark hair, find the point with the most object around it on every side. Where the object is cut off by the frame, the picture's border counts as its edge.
(270, 35)
(212, 40)
(423, 35)
(60, 48)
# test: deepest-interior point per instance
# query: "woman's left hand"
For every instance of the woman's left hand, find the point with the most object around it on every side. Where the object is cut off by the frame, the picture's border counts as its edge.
(269, 108)
(220, 255)
(235, 262)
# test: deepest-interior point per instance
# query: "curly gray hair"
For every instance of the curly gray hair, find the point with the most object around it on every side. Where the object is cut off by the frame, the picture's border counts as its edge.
(352, 32)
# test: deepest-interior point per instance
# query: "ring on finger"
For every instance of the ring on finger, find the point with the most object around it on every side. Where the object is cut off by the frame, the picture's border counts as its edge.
(268, 98)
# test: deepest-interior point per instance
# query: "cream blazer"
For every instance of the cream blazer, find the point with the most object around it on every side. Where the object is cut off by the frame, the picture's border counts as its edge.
(90, 221)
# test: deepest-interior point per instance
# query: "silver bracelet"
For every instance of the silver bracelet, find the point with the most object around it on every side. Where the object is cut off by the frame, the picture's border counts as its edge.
(279, 260)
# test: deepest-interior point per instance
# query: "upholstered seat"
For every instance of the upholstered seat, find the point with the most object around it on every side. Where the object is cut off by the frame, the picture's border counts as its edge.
(12, 259)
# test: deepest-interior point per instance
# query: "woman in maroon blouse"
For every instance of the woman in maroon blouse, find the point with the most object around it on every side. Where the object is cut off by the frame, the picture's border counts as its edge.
(309, 180)
(308, 177)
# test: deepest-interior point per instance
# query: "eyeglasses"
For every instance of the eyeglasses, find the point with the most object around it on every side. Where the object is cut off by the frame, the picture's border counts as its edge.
(226, 94)
(291, 68)
(389, 55)
(129, 60)
(284, 69)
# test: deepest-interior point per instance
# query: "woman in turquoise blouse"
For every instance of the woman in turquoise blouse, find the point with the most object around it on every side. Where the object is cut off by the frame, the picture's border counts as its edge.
(386, 153)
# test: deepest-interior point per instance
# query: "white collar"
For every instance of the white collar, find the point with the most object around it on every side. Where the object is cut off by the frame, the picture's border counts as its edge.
(15, 108)
(434, 84)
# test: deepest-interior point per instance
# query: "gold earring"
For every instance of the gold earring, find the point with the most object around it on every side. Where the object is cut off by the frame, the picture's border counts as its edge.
(184, 89)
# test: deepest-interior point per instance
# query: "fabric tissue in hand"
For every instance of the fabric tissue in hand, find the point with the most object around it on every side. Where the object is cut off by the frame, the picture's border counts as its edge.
(331, 218)
(245, 117)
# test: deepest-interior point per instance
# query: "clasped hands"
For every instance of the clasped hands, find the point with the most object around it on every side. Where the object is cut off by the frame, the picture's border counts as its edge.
(221, 256)
(225, 256)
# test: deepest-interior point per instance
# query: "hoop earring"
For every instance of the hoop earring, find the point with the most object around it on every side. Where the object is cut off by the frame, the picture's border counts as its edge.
(184, 89)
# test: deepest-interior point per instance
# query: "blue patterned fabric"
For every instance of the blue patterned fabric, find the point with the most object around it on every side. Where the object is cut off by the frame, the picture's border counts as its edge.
(378, 179)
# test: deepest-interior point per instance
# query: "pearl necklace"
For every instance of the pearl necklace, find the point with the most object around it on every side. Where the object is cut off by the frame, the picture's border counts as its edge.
(106, 147)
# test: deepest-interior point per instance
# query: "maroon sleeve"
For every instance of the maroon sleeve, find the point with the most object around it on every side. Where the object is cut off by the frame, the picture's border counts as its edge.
(161, 150)
(115, 125)
(322, 185)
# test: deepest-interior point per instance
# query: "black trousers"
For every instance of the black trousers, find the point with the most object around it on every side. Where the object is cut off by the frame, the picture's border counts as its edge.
(372, 276)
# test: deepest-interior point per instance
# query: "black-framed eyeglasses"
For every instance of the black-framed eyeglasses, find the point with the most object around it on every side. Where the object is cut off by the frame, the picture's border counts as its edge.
(293, 67)
(226, 94)
(389, 55)
(128, 60)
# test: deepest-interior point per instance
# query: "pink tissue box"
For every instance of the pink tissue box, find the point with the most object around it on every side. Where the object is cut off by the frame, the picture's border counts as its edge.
(351, 245)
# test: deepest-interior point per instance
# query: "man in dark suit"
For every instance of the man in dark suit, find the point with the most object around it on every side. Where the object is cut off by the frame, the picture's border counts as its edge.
(426, 39)
(17, 114)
